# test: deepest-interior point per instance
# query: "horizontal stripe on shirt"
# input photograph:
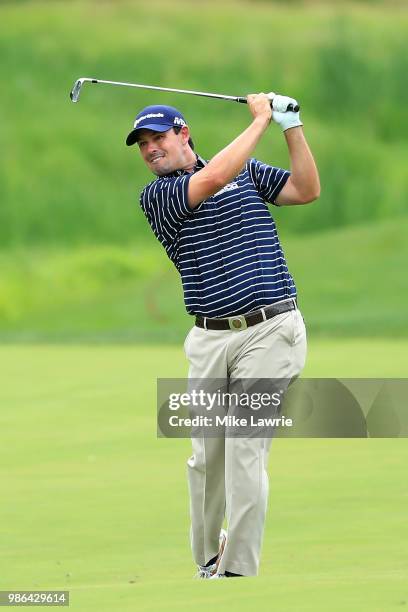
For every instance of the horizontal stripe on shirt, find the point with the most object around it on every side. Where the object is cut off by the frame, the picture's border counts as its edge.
(224, 248)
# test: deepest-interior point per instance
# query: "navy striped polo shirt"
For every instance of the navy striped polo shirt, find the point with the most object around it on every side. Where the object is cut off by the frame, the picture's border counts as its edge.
(227, 249)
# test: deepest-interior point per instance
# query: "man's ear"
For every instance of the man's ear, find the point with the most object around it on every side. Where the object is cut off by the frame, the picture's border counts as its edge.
(185, 134)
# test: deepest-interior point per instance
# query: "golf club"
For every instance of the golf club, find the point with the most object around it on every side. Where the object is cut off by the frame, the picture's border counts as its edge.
(76, 90)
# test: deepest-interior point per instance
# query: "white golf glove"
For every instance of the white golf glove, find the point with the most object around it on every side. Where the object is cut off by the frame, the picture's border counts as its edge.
(286, 119)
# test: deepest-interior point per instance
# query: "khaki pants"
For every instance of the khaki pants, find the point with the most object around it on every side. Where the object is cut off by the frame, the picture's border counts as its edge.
(228, 476)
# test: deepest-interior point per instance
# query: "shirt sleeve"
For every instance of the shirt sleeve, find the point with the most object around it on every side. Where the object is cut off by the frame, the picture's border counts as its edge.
(268, 180)
(165, 204)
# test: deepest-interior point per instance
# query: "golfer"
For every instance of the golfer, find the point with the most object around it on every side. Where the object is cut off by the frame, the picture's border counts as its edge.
(213, 220)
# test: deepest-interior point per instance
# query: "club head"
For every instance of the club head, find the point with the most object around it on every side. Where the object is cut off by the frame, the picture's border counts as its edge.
(76, 90)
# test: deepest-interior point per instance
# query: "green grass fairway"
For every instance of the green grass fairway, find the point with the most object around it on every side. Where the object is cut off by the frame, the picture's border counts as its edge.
(93, 502)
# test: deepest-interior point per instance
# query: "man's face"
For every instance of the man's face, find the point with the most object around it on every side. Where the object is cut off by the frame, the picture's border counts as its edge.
(163, 152)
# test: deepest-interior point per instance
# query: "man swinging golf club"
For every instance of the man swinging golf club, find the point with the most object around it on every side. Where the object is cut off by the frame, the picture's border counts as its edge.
(213, 221)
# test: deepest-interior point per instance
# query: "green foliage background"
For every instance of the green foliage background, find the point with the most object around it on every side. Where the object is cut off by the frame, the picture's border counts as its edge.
(73, 239)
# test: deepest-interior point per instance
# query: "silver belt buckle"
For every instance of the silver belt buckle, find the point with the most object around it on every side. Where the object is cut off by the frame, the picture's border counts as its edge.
(237, 323)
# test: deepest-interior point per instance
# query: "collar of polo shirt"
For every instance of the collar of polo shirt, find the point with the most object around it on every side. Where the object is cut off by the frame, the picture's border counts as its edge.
(200, 163)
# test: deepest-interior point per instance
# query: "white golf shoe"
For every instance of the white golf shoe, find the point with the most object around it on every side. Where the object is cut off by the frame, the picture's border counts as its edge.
(216, 575)
(210, 571)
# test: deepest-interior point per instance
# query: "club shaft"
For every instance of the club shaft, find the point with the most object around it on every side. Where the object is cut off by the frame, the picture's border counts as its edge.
(170, 89)
(78, 85)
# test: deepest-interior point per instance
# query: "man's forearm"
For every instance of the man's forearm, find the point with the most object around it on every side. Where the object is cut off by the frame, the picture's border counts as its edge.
(304, 174)
(230, 160)
(224, 166)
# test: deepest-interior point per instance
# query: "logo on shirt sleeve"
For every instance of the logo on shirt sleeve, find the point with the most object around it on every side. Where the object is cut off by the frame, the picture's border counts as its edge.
(228, 187)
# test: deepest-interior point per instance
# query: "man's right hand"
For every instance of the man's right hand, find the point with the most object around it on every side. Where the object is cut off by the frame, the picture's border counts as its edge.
(260, 107)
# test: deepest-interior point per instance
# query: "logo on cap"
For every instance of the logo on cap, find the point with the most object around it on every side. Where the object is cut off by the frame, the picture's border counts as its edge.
(148, 116)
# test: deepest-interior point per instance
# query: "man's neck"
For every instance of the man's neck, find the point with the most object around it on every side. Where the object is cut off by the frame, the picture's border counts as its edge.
(190, 162)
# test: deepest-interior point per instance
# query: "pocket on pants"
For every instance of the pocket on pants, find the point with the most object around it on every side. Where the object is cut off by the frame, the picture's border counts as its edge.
(298, 329)
(185, 345)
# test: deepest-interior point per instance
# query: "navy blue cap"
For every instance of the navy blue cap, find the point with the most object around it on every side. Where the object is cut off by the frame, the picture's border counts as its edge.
(157, 118)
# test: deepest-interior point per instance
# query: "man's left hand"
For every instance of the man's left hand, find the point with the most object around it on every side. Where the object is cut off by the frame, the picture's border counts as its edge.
(287, 119)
